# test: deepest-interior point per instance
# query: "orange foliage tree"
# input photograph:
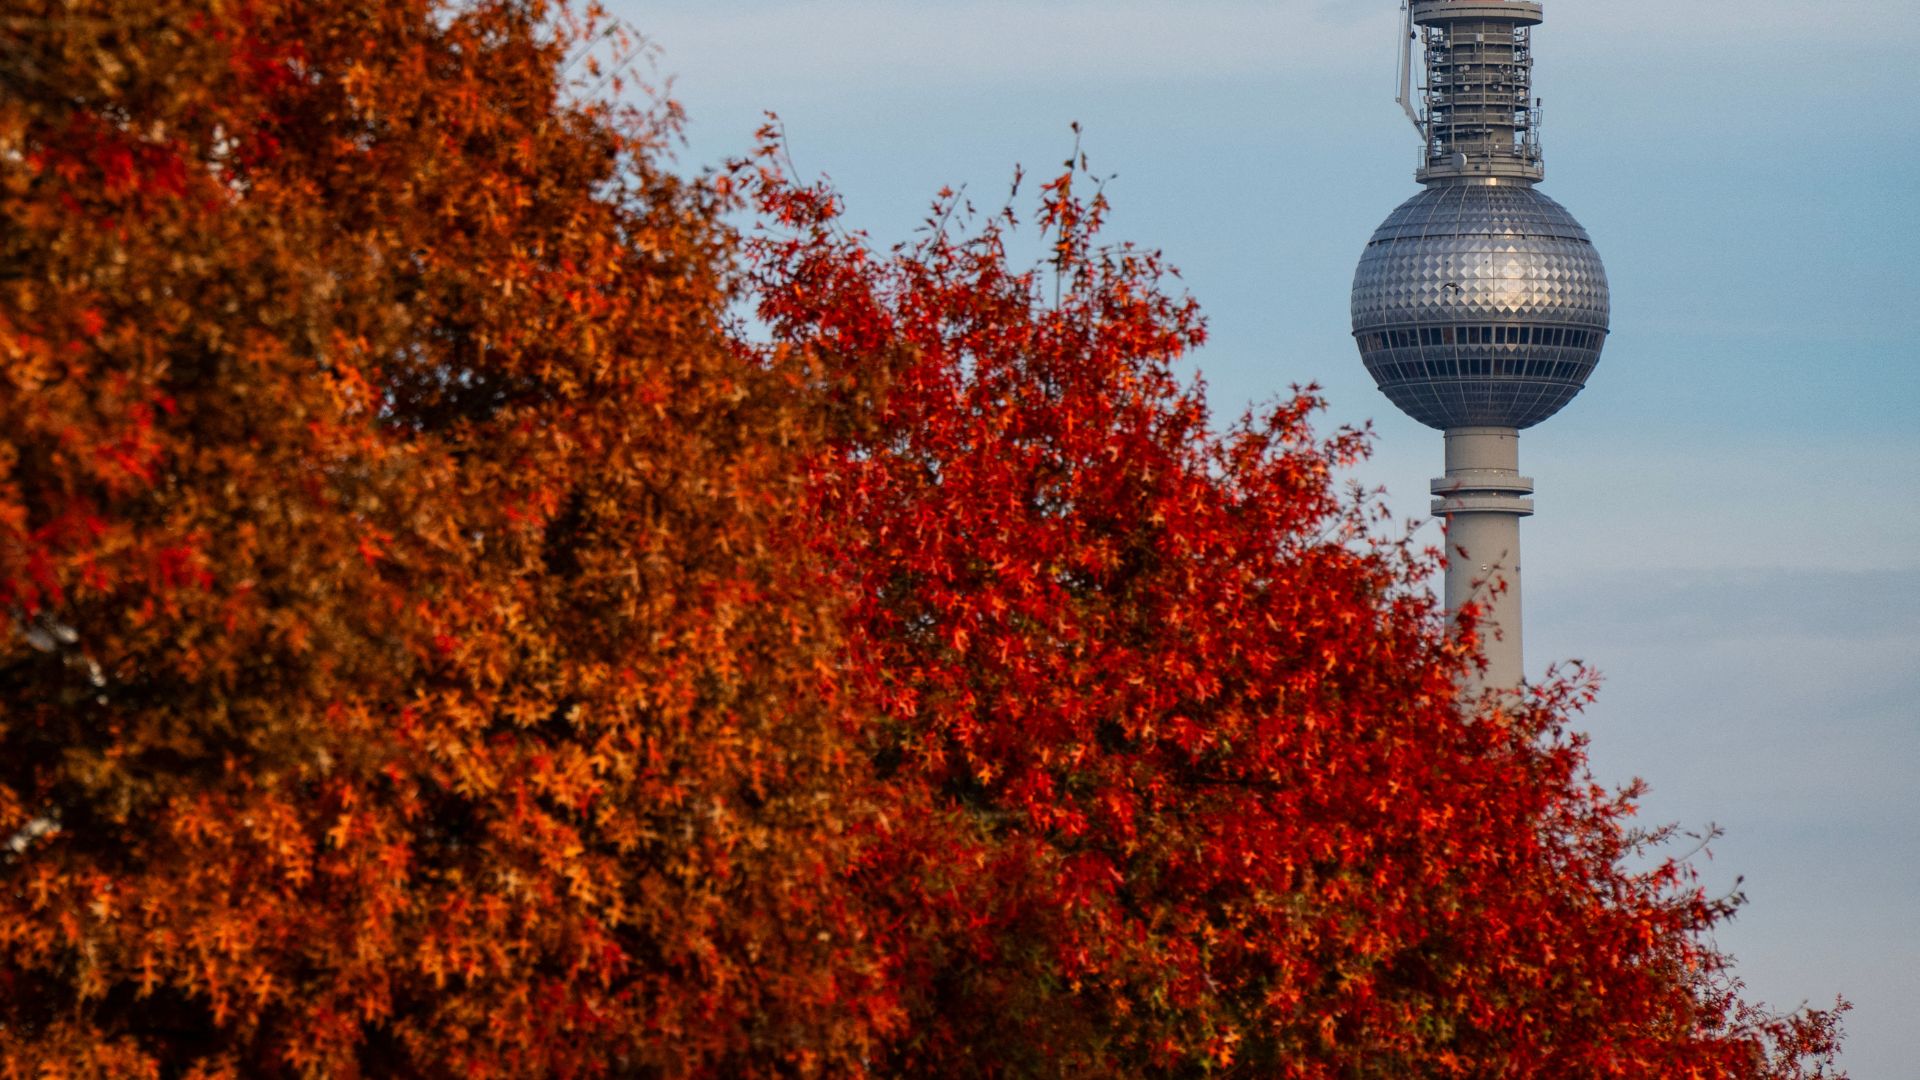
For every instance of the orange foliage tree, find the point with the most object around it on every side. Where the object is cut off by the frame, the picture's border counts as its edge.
(435, 640)
(401, 671)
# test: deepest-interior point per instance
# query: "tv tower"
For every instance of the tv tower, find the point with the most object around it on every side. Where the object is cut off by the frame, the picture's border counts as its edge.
(1480, 305)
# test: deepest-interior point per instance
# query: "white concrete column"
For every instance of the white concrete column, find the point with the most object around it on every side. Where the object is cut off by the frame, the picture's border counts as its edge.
(1481, 501)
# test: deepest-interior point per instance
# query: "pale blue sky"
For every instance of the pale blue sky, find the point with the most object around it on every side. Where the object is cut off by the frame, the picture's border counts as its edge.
(1729, 521)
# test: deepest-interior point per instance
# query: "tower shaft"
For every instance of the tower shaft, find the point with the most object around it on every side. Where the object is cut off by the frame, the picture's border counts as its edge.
(1482, 499)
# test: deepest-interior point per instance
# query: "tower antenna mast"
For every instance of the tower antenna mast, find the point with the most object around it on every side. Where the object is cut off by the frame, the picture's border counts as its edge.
(1405, 97)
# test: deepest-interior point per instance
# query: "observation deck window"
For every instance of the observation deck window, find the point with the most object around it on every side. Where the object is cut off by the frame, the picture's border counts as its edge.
(1436, 337)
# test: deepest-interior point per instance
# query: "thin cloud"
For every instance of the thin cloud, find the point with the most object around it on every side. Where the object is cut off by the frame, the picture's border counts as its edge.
(970, 42)
(1708, 28)
(975, 41)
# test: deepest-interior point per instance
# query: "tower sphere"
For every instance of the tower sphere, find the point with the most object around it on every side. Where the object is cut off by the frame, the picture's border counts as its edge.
(1480, 302)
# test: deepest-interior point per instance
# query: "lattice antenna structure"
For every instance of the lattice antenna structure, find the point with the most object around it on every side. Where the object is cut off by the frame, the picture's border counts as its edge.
(1479, 116)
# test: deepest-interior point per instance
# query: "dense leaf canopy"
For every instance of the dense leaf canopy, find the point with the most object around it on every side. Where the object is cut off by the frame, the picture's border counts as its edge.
(441, 635)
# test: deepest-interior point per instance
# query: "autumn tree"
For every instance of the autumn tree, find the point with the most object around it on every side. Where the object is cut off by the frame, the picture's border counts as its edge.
(1179, 777)
(402, 672)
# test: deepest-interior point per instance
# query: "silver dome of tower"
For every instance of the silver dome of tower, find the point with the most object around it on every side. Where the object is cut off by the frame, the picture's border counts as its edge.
(1480, 302)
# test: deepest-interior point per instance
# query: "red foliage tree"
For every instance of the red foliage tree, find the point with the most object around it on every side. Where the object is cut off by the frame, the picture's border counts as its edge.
(1179, 780)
